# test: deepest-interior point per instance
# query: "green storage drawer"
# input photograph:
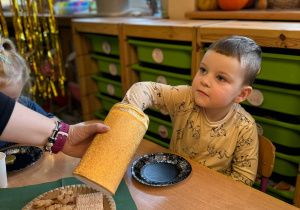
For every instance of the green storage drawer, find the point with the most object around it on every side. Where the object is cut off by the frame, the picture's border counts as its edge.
(286, 165)
(284, 195)
(278, 132)
(107, 102)
(160, 127)
(100, 114)
(179, 56)
(149, 74)
(274, 98)
(280, 68)
(157, 141)
(159, 113)
(104, 44)
(108, 86)
(108, 65)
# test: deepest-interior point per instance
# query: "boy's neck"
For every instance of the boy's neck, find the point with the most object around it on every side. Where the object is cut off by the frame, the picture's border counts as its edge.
(215, 115)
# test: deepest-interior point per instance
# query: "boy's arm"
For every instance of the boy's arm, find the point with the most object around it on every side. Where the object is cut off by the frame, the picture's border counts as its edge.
(148, 94)
(245, 161)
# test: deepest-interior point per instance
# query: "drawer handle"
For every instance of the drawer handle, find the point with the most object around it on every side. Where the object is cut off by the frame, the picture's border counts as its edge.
(158, 55)
(256, 98)
(113, 69)
(163, 131)
(106, 47)
(111, 89)
(162, 80)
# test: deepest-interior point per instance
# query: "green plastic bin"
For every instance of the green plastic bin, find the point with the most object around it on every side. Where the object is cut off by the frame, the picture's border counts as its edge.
(160, 127)
(280, 68)
(108, 65)
(278, 99)
(104, 44)
(284, 195)
(107, 102)
(149, 74)
(100, 114)
(179, 56)
(278, 132)
(157, 141)
(286, 165)
(108, 86)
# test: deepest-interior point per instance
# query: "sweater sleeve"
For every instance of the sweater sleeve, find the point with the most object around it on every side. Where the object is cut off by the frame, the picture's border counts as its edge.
(151, 94)
(144, 95)
(6, 109)
(245, 161)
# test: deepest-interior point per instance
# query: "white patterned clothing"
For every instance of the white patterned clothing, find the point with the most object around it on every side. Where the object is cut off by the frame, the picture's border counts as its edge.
(229, 146)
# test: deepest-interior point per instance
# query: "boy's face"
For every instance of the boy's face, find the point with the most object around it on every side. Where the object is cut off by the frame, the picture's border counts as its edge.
(13, 91)
(219, 82)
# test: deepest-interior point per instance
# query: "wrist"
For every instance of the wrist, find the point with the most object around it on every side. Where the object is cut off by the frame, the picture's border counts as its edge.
(61, 138)
(56, 142)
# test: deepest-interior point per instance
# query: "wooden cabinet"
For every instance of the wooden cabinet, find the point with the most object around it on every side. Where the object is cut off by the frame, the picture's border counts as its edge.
(265, 33)
(86, 65)
(125, 29)
(247, 14)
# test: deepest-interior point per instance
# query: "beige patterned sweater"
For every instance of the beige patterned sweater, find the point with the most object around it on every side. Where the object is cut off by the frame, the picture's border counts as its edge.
(229, 146)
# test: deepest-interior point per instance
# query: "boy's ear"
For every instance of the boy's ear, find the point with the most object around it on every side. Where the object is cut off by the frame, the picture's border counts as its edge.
(245, 92)
(259, 71)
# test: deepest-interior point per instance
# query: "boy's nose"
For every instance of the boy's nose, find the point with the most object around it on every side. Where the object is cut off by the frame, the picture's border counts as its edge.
(205, 81)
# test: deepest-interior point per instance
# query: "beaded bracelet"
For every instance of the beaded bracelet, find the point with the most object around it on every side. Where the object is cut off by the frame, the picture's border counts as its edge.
(56, 142)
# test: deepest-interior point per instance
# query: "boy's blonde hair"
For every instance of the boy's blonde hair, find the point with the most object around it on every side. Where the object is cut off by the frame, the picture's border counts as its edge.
(13, 67)
(245, 50)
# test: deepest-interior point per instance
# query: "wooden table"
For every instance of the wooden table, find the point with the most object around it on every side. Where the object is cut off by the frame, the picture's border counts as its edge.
(203, 189)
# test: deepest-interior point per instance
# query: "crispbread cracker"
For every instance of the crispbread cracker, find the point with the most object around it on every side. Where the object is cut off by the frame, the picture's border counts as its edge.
(93, 201)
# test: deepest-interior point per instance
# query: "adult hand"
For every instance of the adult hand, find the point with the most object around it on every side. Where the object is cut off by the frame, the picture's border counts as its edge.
(80, 137)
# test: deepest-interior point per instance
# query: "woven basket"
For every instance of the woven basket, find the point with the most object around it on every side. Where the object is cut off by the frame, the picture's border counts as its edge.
(283, 4)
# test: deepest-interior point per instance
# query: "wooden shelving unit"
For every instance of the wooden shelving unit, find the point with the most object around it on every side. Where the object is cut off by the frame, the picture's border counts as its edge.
(250, 14)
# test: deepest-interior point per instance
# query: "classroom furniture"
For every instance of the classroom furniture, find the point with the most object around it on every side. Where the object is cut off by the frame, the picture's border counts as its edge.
(266, 159)
(247, 14)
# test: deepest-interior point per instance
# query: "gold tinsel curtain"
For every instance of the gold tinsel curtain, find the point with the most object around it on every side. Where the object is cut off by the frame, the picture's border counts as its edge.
(37, 39)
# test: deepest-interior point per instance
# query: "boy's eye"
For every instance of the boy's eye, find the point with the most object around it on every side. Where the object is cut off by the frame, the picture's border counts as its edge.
(202, 70)
(220, 78)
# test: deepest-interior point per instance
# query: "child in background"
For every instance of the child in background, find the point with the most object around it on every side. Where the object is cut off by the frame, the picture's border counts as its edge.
(14, 75)
(209, 125)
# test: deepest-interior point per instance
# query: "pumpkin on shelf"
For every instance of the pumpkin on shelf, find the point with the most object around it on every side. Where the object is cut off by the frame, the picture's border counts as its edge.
(206, 5)
(232, 4)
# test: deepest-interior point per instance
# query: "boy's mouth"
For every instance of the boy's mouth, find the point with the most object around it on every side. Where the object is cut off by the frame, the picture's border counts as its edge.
(202, 93)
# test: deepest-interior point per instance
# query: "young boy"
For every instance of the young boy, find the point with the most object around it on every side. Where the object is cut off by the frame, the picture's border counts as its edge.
(209, 125)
